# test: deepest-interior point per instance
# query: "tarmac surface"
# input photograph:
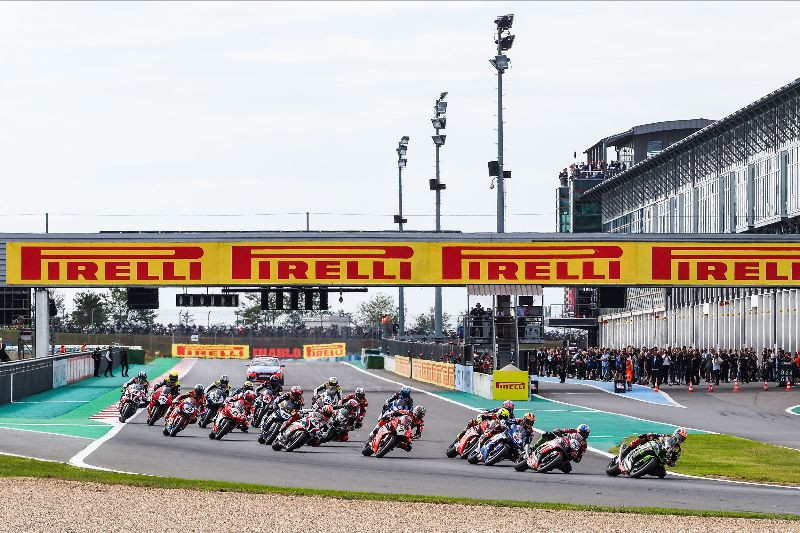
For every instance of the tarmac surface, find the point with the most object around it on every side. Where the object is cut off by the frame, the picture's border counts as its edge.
(425, 470)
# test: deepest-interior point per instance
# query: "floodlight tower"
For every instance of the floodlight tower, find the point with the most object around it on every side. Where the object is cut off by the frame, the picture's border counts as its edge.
(500, 62)
(402, 148)
(439, 122)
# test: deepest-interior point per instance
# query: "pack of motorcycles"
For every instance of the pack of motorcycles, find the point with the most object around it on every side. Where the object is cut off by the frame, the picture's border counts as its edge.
(289, 427)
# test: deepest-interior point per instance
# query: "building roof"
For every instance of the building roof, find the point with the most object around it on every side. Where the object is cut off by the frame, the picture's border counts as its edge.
(642, 129)
(702, 135)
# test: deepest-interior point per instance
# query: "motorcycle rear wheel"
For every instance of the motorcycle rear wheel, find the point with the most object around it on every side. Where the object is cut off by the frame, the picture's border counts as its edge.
(298, 441)
(387, 445)
(366, 451)
(175, 430)
(612, 469)
(473, 458)
(554, 460)
(273, 433)
(521, 465)
(452, 451)
(497, 454)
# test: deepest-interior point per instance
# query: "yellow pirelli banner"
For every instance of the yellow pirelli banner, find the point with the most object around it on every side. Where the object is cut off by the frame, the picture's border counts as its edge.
(402, 366)
(442, 374)
(510, 385)
(211, 351)
(373, 263)
(319, 351)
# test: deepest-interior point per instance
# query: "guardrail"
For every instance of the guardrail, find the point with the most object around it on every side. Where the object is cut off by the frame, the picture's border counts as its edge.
(20, 379)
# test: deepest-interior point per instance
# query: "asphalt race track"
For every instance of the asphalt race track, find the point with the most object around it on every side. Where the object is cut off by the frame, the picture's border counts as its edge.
(425, 470)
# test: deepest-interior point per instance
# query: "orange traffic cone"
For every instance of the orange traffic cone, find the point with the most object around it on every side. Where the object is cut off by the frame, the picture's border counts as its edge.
(691, 388)
(710, 387)
(736, 386)
(656, 387)
(766, 386)
(788, 385)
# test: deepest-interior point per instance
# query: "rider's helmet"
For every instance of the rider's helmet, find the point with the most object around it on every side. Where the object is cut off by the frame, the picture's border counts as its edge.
(405, 392)
(528, 420)
(199, 390)
(679, 435)
(503, 414)
(296, 392)
(333, 382)
(418, 412)
(223, 380)
(142, 375)
(249, 396)
(352, 405)
(248, 385)
(274, 381)
(360, 394)
(583, 431)
(173, 376)
(508, 404)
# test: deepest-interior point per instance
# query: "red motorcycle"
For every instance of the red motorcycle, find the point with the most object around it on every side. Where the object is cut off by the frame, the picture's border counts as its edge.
(160, 401)
(469, 440)
(180, 417)
(133, 398)
(395, 432)
(301, 430)
(231, 416)
(261, 407)
(551, 454)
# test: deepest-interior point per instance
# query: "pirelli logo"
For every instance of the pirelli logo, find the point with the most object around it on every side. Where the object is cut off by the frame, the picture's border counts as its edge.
(390, 263)
(509, 385)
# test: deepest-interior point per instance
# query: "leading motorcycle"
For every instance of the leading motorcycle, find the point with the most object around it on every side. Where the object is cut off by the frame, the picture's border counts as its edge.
(651, 458)
(394, 432)
(135, 396)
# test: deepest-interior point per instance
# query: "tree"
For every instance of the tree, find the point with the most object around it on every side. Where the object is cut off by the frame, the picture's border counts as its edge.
(250, 312)
(368, 314)
(89, 308)
(120, 314)
(424, 324)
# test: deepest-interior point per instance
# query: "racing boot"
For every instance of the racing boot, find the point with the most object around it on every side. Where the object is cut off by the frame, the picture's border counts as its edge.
(565, 467)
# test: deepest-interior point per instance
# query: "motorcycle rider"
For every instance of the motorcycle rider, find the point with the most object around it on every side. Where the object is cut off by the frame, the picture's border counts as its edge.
(673, 443)
(293, 398)
(223, 384)
(138, 379)
(273, 384)
(417, 415)
(197, 394)
(399, 400)
(581, 432)
(330, 387)
(248, 397)
(361, 397)
(505, 411)
(246, 386)
(171, 384)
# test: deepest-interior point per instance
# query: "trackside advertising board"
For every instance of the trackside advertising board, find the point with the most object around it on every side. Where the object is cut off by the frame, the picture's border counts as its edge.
(510, 385)
(319, 351)
(375, 263)
(211, 351)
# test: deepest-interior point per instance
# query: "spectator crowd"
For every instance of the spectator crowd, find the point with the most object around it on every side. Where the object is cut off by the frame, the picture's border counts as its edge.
(218, 330)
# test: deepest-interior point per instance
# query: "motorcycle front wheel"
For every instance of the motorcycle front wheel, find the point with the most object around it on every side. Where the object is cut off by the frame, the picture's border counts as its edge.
(498, 454)
(273, 434)
(550, 462)
(612, 469)
(472, 458)
(452, 451)
(387, 445)
(127, 412)
(644, 468)
(299, 439)
(154, 416)
(521, 465)
(224, 428)
(175, 429)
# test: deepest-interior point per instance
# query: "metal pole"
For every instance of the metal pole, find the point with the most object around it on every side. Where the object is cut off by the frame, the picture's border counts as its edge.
(308, 222)
(401, 315)
(437, 291)
(501, 208)
(47, 222)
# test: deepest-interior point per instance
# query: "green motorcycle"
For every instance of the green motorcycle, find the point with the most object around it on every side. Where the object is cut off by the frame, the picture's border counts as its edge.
(649, 458)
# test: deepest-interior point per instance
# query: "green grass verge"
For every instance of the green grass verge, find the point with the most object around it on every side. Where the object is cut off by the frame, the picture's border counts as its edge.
(20, 467)
(726, 457)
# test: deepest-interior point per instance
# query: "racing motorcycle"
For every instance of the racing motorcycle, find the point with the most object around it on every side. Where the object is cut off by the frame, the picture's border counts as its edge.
(135, 396)
(328, 397)
(302, 429)
(651, 458)
(339, 426)
(261, 407)
(550, 454)
(231, 416)
(394, 432)
(160, 401)
(508, 444)
(214, 401)
(469, 440)
(271, 426)
(179, 418)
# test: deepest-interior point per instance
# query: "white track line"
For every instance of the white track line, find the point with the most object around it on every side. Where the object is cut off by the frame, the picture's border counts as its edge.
(594, 450)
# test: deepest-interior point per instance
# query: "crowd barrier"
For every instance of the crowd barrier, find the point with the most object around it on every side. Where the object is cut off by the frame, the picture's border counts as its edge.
(402, 366)
(463, 378)
(388, 363)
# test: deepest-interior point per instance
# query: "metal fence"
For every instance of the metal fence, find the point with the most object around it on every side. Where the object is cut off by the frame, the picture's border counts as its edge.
(452, 353)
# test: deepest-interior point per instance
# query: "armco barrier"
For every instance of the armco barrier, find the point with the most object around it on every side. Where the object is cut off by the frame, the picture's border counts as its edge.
(441, 374)
(463, 376)
(402, 366)
(482, 385)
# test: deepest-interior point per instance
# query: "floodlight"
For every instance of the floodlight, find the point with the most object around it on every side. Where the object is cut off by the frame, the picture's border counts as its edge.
(404, 140)
(402, 162)
(438, 140)
(441, 107)
(500, 62)
(504, 22)
(442, 96)
(506, 42)
(439, 123)
(401, 151)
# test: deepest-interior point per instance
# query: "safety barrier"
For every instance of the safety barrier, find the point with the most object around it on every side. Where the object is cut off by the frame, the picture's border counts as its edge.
(402, 366)
(482, 385)
(388, 363)
(441, 374)
(463, 376)
(430, 351)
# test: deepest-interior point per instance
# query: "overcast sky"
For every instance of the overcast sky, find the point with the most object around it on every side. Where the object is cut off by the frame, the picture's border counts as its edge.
(179, 111)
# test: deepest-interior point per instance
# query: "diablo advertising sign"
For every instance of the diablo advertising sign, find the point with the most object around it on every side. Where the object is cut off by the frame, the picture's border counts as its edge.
(318, 351)
(211, 351)
(281, 352)
(322, 263)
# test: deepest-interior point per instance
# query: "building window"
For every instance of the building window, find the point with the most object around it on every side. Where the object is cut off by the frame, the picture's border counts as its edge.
(653, 147)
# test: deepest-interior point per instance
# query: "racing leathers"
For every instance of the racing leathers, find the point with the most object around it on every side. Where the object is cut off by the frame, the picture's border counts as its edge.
(491, 414)
(398, 401)
(226, 389)
(334, 391)
(362, 408)
(136, 380)
(171, 386)
(565, 467)
(274, 390)
(670, 443)
(200, 400)
(417, 425)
